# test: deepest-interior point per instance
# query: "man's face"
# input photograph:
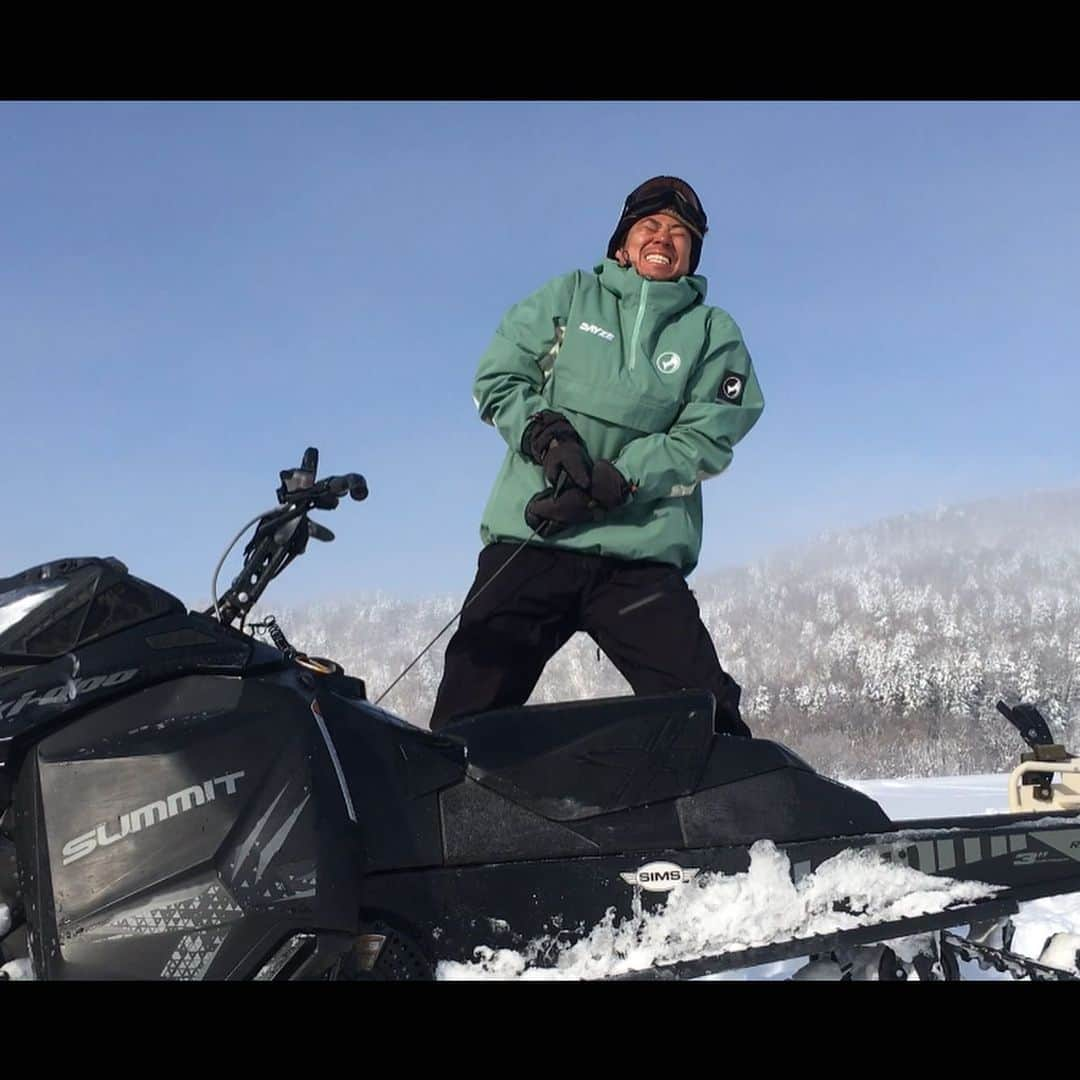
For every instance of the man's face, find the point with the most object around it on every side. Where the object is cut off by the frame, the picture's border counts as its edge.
(657, 247)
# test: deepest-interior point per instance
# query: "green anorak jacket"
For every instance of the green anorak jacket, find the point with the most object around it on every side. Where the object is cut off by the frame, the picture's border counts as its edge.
(653, 380)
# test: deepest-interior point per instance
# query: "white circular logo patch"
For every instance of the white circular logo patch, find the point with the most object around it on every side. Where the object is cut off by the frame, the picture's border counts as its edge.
(731, 387)
(668, 363)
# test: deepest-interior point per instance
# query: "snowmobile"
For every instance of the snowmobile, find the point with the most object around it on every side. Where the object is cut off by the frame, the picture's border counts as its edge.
(183, 800)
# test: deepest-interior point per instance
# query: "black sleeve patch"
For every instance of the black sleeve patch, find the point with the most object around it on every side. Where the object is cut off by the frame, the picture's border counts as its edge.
(731, 389)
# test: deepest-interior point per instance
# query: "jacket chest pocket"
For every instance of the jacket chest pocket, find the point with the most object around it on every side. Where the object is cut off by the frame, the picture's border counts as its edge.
(617, 403)
(635, 381)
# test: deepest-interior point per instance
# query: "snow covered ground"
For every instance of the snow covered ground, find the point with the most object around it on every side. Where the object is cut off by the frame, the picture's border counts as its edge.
(762, 904)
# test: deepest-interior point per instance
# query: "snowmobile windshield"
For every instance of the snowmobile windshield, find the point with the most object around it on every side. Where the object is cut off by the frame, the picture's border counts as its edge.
(54, 608)
(16, 605)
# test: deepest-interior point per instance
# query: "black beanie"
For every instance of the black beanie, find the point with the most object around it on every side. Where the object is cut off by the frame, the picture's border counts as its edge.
(663, 193)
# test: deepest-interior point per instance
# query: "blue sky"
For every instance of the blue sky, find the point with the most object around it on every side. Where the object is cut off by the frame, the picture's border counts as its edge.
(193, 292)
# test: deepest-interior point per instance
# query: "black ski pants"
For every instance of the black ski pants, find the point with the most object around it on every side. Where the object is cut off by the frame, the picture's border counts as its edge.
(641, 614)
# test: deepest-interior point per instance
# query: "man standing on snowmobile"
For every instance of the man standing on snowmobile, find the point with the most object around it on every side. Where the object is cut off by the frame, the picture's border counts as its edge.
(617, 392)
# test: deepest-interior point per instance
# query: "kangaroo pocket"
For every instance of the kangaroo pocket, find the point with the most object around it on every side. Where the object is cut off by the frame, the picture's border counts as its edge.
(614, 403)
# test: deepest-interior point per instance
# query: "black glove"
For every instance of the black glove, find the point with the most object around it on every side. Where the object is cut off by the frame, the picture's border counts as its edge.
(550, 515)
(609, 487)
(551, 441)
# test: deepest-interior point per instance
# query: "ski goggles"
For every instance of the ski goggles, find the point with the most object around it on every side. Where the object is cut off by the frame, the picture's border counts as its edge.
(668, 197)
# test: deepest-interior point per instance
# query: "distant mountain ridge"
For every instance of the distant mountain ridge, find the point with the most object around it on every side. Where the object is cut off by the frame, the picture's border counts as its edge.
(876, 651)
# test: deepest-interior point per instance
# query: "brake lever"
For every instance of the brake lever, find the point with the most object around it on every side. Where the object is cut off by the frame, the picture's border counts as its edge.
(295, 481)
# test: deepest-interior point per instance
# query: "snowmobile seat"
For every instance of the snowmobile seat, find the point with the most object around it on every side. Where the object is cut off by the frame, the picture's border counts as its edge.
(576, 759)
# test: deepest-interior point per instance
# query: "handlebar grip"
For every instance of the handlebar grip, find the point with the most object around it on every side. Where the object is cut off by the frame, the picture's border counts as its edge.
(325, 494)
(358, 488)
(353, 483)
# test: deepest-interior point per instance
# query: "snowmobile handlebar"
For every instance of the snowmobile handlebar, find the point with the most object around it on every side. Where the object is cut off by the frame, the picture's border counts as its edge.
(318, 496)
(298, 485)
(282, 533)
